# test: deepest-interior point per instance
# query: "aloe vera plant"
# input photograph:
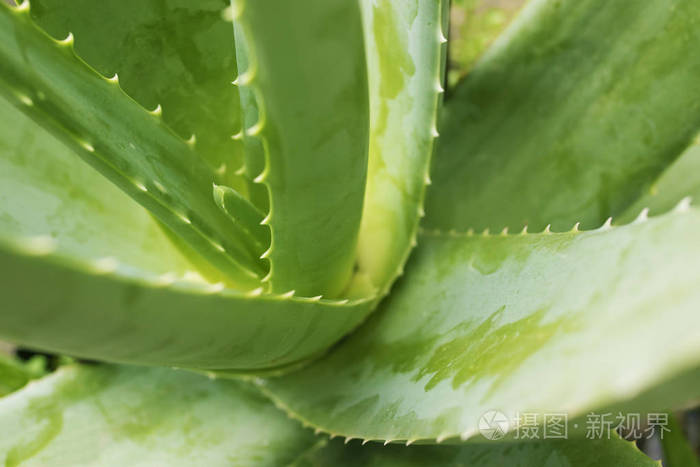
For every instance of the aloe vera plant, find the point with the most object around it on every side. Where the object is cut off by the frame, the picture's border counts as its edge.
(217, 202)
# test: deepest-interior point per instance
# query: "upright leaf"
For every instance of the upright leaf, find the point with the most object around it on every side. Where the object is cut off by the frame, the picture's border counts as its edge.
(573, 113)
(405, 43)
(306, 122)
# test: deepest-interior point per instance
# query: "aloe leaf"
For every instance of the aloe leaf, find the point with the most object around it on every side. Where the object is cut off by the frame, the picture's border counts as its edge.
(405, 54)
(516, 323)
(181, 58)
(108, 415)
(107, 311)
(308, 118)
(572, 452)
(129, 145)
(569, 116)
(86, 271)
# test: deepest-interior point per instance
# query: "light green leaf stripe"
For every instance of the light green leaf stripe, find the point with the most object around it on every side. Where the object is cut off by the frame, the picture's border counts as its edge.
(547, 453)
(123, 141)
(86, 271)
(311, 121)
(516, 323)
(116, 416)
(569, 117)
(176, 54)
(405, 43)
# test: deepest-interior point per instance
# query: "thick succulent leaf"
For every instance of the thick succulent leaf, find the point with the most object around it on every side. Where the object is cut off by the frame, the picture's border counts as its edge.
(550, 453)
(126, 143)
(108, 415)
(108, 311)
(405, 55)
(677, 450)
(175, 54)
(86, 271)
(516, 323)
(306, 113)
(573, 113)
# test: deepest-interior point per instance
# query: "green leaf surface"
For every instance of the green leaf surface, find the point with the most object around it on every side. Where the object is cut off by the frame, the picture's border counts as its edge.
(108, 311)
(677, 450)
(86, 271)
(569, 116)
(49, 196)
(405, 54)
(129, 145)
(548, 453)
(516, 323)
(305, 111)
(176, 54)
(474, 25)
(678, 181)
(108, 415)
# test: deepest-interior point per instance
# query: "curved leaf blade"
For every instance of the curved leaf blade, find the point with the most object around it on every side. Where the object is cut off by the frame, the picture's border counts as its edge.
(517, 323)
(111, 312)
(86, 271)
(405, 44)
(311, 128)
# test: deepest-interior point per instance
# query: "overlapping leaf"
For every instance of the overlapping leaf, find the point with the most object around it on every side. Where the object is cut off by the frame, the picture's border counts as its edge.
(86, 271)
